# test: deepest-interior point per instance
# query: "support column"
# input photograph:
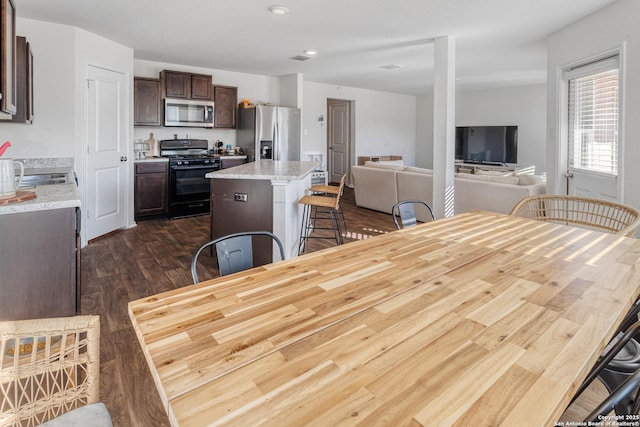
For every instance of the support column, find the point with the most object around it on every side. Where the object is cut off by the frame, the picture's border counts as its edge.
(444, 111)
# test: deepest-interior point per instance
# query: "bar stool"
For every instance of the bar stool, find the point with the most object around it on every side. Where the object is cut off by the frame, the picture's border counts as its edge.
(333, 191)
(311, 204)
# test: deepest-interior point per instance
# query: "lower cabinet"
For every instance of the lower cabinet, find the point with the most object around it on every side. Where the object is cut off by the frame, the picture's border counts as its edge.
(39, 264)
(151, 190)
(229, 163)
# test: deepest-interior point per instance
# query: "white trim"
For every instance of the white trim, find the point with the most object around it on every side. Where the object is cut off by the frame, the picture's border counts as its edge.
(129, 222)
(574, 69)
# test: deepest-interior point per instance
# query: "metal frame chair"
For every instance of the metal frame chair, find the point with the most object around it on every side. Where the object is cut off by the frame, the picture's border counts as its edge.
(50, 372)
(406, 210)
(622, 386)
(234, 252)
(582, 212)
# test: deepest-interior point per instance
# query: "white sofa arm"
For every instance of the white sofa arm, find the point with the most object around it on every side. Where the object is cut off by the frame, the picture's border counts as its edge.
(375, 188)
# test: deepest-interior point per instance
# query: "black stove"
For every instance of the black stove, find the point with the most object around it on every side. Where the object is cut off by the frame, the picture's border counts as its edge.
(189, 162)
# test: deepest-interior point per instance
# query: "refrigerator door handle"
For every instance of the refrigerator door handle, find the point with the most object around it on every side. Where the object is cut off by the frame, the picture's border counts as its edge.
(276, 142)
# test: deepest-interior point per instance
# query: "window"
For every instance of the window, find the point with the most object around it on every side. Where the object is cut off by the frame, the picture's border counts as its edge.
(593, 117)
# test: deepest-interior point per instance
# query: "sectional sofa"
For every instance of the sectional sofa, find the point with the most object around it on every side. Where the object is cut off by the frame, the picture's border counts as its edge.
(379, 186)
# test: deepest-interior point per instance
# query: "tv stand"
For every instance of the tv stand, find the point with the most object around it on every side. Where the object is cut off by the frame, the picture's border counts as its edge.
(473, 167)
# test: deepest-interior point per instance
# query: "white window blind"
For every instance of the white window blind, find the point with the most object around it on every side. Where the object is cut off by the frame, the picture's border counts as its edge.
(593, 117)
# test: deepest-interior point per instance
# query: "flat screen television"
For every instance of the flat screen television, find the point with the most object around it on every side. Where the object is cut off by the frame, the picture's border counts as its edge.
(487, 144)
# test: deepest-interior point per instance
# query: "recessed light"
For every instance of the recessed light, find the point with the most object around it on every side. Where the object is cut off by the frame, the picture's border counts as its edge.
(391, 66)
(311, 52)
(278, 10)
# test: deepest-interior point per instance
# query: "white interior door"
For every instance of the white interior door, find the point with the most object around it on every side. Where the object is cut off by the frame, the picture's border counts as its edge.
(338, 132)
(107, 148)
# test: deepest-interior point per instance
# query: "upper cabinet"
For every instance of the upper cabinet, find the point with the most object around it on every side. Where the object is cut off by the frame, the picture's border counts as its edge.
(178, 84)
(24, 82)
(225, 99)
(7, 57)
(147, 101)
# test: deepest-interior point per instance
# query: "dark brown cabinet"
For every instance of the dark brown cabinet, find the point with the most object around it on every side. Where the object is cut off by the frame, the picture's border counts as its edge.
(8, 57)
(147, 101)
(225, 99)
(229, 163)
(178, 84)
(24, 82)
(40, 256)
(151, 198)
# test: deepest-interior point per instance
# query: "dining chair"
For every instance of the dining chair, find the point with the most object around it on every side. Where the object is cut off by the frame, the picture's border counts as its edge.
(578, 211)
(234, 252)
(618, 368)
(406, 210)
(50, 373)
(312, 203)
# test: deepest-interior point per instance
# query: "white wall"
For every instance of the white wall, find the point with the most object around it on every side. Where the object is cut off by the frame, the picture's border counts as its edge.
(524, 106)
(53, 132)
(385, 122)
(609, 28)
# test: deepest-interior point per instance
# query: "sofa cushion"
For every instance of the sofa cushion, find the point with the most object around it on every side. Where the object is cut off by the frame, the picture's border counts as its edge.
(377, 165)
(514, 180)
(528, 179)
(415, 169)
(95, 414)
(494, 172)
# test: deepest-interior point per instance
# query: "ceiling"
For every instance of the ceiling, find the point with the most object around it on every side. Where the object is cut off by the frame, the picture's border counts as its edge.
(498, 42)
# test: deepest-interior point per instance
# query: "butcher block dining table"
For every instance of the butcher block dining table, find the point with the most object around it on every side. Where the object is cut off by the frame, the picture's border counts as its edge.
(477, 319)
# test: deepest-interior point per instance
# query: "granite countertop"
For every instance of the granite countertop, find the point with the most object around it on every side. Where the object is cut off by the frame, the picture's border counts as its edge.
(232, 157)
(267, 169)
(47, 197)
(152, 159)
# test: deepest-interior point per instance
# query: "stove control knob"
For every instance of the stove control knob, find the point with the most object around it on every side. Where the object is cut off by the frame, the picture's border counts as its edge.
(186, 162)
(207, 161)
(179, 162)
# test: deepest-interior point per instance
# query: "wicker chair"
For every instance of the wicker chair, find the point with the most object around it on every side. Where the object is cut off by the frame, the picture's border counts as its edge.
(56, 381)
(577, 211)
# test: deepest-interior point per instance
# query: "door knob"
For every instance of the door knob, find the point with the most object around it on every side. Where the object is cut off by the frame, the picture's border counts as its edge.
(123, 158)
(568, 174)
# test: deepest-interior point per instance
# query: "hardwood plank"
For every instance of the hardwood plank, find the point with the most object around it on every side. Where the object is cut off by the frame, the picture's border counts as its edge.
(155, 256)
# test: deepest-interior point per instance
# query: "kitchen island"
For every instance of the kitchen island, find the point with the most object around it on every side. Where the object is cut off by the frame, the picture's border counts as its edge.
(261, 196)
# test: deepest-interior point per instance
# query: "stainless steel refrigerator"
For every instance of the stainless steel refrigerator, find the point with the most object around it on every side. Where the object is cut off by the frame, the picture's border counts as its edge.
(271, 133)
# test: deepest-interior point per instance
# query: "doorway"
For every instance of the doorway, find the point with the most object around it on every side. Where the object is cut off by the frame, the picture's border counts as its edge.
(593, 167)
(106, 178)
(339, 137)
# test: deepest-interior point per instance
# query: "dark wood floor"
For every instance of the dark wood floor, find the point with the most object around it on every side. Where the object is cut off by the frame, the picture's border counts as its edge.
(151, 258)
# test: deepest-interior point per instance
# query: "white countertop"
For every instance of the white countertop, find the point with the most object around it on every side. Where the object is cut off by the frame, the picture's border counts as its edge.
(152, 159)
(47, 197)
(267, 169)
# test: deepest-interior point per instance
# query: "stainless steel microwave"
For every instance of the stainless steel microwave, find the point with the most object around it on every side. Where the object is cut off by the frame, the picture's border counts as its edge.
(188, 113)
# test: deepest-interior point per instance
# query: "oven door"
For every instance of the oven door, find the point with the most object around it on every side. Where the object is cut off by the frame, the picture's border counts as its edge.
(189, 190)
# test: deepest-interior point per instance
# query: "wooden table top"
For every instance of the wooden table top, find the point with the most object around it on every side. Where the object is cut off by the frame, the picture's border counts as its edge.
(478, 319)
